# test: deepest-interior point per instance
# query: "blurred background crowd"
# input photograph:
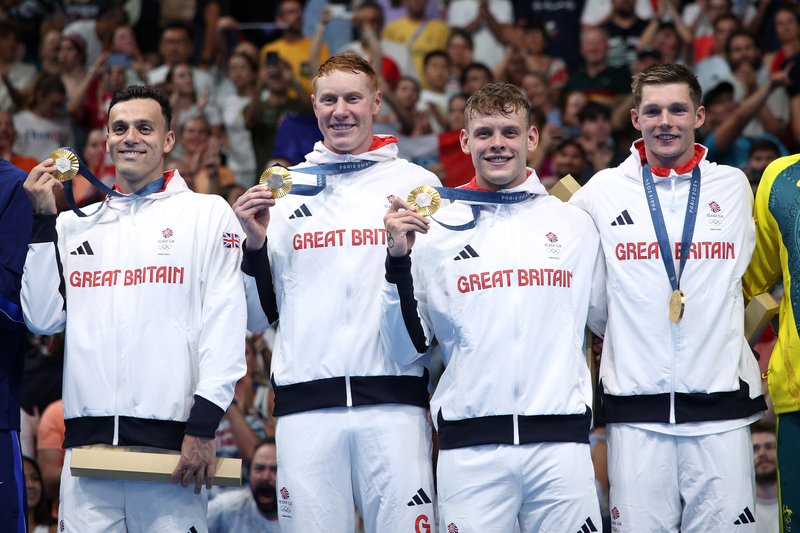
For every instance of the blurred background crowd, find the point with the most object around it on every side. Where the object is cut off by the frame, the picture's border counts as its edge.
(238, 75)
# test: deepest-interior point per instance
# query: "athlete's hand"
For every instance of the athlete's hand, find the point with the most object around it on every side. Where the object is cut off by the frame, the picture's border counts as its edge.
(196, 463)
(402, 224)
(40, 185)
(252, 210)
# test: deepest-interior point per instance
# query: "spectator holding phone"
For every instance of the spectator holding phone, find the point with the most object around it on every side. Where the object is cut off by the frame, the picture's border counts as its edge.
(262, 118)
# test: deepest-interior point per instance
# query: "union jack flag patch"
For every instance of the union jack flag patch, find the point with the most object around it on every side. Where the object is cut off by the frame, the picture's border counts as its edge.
(452, 528)
(231, 240)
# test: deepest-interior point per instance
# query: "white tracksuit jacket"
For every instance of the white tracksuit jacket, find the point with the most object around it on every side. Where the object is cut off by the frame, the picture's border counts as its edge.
(152, 301)
(507, 300)
(325, 263)
(702, 368)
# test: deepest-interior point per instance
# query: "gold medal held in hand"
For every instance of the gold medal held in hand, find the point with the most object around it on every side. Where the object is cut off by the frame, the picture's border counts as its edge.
(278, 180)
(425, 200)
(677, 303)
(67, 164)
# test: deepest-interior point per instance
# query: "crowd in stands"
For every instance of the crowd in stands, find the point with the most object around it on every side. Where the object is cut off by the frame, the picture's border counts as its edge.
(239, 78)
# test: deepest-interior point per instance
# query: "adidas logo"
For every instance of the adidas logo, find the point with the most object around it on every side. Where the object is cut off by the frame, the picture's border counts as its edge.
(588, 525)
(83, 249)
(467, 253)
(300, 212)
(623, 219)
(745, 518)
(420, 498)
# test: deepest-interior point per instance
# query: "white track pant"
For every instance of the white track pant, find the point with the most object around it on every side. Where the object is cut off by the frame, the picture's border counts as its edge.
(549, 487)
(663, 483)
(117, 506)
(378, 456)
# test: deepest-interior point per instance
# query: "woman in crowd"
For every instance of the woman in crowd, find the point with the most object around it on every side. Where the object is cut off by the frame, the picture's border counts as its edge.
(71, 58)
(238, 147)
(186, 104)
(40, 520)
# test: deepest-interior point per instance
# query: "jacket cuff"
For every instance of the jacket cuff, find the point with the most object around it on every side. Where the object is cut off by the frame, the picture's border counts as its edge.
(253, 257)
(204, 418)
(44, 228)
(398, 269)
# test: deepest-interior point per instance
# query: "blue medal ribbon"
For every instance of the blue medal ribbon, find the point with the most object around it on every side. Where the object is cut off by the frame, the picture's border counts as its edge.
(661, 228)
(478, 197)
(321, 171)
(84, 171)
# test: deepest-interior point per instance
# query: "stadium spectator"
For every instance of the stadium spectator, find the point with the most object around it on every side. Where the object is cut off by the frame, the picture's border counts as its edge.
(238, 148)
(72, 61)
(263, 118)
(787, 28)
(40, 519)
(15, 76)
(597, 79)
(624, 29)
(48, 51)
(8, 137)
(368, 20)
(187, 103)
(762, 153)
(418, 34)
(460, 49)
(767, 512)
(474, 76)
(175, 48)
(97, 32)
(714, 68)
(253, 509)
(487, 22)
(302, 53)
(44, 126)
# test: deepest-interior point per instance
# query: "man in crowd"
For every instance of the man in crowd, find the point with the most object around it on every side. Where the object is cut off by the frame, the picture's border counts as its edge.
(253, 509)
(150, 295)
(765, 459)
(679, 385)
(302, 53)
(506, 296)
(315, 262)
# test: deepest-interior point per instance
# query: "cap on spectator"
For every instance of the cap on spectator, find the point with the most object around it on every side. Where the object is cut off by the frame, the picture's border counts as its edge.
(653, 53)
(719, 90)
(77, 41)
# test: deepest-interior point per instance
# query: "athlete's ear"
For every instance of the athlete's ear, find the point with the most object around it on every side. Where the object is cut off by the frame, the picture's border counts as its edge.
(700, 117)
(464, 138)
(635, 119)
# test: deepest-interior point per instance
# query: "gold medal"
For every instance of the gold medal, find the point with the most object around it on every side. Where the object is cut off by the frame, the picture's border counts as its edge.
(67, 164)
(425, 200)
(278, 180)
(677, 302)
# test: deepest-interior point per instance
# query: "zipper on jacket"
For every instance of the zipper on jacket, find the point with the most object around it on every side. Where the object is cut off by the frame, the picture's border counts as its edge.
(116, 430)
(674, 334)
(347, 323)
(672, 184)
(515, 348)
